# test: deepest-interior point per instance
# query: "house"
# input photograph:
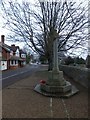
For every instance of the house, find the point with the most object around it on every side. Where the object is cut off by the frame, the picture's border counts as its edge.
(61, 57)
(4, 55)
(23, 57)
(12, 56)
(17, 57)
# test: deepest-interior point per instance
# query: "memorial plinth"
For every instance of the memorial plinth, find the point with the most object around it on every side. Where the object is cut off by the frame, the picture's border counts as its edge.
(56, 85)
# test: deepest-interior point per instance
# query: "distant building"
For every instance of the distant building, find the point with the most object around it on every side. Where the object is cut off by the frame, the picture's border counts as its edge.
(36, 57)
(61, 56)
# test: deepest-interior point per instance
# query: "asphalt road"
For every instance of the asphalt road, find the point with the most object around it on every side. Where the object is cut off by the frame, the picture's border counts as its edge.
(11, 76)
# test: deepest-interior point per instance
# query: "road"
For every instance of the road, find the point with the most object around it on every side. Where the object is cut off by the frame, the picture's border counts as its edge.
(11, 76)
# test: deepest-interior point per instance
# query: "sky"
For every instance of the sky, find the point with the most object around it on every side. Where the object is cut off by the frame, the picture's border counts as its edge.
(5, 32)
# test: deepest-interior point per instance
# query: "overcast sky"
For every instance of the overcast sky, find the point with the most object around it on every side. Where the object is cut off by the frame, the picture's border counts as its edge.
(5, 32)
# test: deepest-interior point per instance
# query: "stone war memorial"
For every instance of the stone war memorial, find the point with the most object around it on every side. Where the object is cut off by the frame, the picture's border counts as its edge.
(56, 85)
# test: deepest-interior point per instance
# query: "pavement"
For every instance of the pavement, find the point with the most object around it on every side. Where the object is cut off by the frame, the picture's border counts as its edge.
(0, 103)
(21, 101)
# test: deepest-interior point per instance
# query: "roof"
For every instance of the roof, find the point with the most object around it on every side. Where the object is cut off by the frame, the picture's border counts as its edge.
(4, 46)
(14, 48)
(22, 52)
(16, 58)
(11, 48)
(3, 59)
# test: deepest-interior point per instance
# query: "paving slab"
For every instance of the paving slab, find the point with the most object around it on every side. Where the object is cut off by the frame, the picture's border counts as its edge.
(21, 101)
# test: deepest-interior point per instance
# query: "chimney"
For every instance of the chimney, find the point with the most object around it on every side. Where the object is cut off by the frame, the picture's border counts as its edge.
(2, 38)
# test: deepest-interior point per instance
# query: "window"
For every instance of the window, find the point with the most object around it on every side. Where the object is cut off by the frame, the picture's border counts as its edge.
(12, 62)
(23, 55)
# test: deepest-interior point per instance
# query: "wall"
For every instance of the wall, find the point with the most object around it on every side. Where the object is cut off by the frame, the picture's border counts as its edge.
(5, 56)
(13, 67)
(81, 75)
(3, 65)
(4, 53)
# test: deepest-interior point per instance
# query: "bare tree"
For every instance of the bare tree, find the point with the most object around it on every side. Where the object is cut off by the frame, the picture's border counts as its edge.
(37, 26)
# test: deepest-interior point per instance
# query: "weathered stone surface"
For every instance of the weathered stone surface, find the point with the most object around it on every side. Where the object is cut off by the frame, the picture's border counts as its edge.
(56, 89)
(56, 86)
(70, 93)
(55, 78)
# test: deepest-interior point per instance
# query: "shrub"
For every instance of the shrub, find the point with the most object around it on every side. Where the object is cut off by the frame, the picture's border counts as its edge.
(88, 61)
(69, 60)
(79, 60)
(42, 59)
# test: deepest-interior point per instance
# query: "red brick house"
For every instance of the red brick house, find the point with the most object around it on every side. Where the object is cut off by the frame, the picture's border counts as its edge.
(11, 56)
(4, 55)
